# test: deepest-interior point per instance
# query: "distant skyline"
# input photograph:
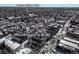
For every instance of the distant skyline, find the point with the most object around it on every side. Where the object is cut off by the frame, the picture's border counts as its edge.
(43, 5)
(59, 5)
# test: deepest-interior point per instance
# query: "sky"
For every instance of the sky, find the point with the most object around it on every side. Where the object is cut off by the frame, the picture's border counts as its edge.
(44, 5)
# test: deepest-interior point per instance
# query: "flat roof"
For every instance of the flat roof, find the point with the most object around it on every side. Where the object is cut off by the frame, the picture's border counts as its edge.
(69, 44)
